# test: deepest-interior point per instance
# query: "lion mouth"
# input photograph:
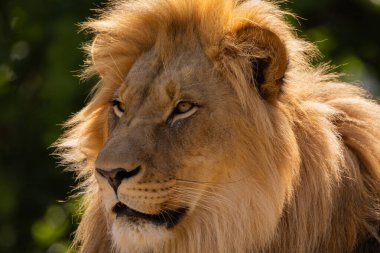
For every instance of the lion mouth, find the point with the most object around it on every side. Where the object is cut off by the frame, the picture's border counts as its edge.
(168, 218)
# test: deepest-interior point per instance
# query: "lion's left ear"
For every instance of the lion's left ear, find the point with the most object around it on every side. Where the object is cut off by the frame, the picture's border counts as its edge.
(267, 56)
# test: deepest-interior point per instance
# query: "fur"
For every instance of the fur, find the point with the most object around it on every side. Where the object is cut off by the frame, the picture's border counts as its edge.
(304, 171)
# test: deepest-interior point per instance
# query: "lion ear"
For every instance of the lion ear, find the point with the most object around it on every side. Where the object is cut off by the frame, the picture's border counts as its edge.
(267, 57)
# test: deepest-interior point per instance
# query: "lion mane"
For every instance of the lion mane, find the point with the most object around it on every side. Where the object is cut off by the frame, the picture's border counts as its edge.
(302, 168)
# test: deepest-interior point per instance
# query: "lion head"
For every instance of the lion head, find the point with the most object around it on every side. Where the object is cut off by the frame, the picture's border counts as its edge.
(210, 132)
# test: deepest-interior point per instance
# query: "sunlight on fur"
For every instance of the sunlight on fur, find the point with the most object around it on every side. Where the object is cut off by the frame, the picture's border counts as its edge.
(210, 131)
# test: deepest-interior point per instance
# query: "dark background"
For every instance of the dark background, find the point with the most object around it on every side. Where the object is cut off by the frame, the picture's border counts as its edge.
(39, 58)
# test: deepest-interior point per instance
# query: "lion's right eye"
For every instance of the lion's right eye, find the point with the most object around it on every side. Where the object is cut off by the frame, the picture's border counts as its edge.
(118, 107)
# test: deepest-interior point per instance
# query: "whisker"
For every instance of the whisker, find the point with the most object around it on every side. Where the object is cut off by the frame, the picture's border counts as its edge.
(193, 193)
(204, 198)
(117, 68)
(186, 199)
(199, 205)
(117, 73)
(197, 190)
(213, 183)
(181, 182)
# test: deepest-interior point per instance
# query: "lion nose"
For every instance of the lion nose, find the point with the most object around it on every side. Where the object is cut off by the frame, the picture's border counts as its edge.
(116, 176)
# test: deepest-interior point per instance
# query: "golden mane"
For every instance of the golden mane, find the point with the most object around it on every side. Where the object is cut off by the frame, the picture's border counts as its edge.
(326, 131)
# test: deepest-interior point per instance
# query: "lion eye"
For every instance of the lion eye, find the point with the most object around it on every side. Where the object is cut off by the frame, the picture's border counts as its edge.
(118, 107)
(183, 107)
(182, 111)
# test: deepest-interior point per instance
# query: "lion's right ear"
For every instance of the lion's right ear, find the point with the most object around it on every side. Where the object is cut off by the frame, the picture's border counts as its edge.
(108, 59)
(112, 57)
(265, 54)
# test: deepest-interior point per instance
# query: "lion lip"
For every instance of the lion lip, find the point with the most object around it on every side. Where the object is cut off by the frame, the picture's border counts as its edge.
(168, 218)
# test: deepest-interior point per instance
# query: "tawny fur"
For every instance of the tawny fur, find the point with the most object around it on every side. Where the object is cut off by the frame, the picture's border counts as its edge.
(317, 137)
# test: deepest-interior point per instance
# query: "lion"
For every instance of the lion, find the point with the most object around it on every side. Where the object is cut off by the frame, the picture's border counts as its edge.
(211, 131)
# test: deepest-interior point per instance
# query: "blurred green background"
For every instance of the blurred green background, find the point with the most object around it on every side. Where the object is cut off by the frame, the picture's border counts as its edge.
(39, 58)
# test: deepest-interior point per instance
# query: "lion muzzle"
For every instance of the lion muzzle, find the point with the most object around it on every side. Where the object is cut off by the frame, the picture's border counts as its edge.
(116, 176)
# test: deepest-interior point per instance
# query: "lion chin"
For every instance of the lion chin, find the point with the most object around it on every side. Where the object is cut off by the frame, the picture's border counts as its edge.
(141, 235)
(211, 131)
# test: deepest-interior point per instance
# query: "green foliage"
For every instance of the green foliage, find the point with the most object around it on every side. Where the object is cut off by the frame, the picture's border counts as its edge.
(39, 57)
(39, 53)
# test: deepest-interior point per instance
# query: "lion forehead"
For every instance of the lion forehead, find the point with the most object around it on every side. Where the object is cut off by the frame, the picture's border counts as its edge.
(163, 82)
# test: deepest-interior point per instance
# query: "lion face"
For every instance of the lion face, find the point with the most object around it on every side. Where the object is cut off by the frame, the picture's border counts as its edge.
(187, 133)
(169, 126)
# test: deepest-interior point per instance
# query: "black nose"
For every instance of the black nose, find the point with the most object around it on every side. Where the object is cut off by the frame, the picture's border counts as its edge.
(116, 176)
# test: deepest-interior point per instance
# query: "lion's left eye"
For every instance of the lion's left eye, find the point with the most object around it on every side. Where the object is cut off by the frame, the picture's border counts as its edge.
(183, 110)
(183, 107)
(118, 107)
